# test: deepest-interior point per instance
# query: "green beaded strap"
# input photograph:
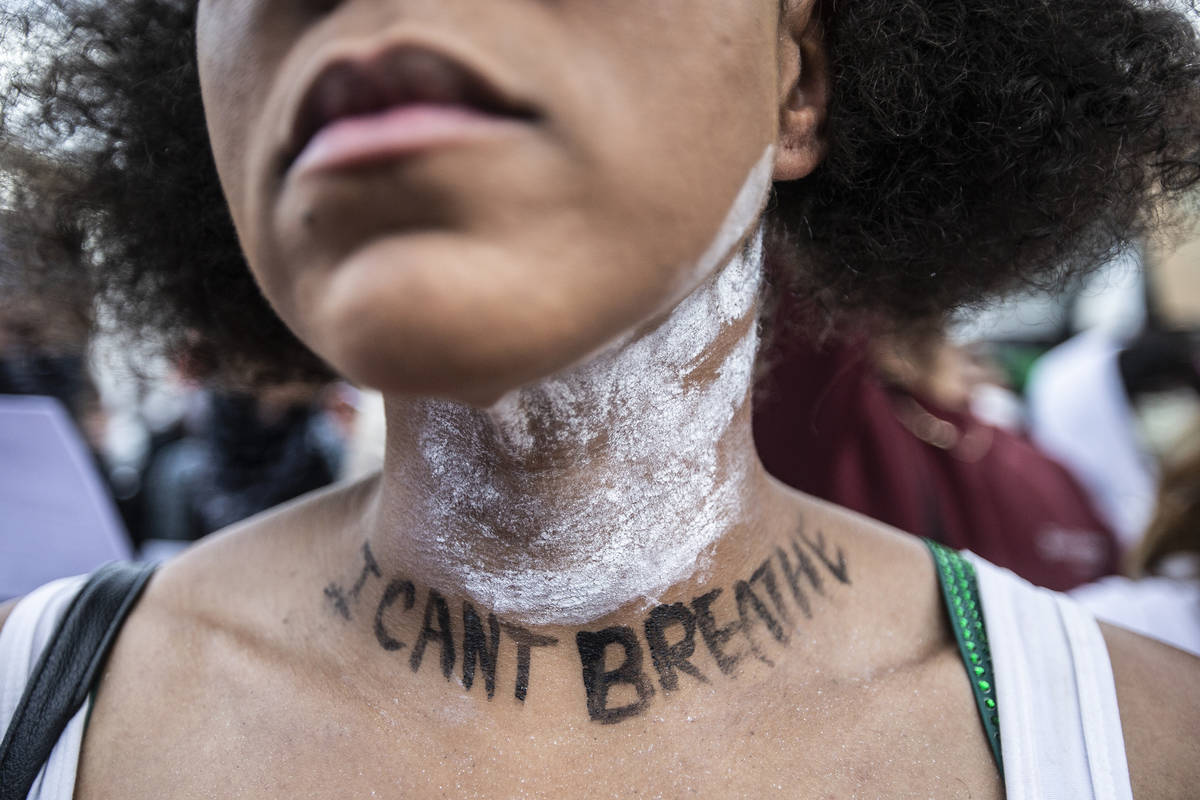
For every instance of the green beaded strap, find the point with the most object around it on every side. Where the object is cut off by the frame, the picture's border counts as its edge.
(960, 589)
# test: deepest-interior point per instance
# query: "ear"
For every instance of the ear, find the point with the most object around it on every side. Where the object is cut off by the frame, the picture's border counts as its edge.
(804, 91)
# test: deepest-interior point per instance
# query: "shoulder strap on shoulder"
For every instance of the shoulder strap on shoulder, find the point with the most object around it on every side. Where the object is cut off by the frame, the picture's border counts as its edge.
(960, 590)
(1056, 694)
(66, 672)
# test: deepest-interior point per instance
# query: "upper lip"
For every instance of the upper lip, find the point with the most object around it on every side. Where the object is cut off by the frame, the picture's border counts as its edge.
(354, 84)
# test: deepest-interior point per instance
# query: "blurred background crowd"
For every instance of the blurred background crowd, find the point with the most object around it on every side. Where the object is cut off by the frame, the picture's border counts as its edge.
(1055, 433)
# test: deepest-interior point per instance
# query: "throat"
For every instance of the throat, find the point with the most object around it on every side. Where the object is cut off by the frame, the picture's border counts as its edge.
(596, 488)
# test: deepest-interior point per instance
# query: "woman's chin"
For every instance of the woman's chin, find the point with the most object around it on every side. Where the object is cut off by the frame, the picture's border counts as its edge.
(477, 376)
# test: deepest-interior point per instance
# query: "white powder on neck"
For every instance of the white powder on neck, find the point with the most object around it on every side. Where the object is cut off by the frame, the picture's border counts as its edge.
(605, 483)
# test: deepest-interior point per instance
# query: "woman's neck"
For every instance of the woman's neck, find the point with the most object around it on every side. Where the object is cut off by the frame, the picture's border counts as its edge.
(598, 487)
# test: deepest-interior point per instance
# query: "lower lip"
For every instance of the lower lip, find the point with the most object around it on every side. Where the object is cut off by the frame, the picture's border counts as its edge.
(355, 141)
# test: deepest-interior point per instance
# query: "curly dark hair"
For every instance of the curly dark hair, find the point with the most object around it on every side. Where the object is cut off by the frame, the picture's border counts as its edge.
(974, 146)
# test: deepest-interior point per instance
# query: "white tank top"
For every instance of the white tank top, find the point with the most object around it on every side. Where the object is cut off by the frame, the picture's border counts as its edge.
(25, 634)
(1060, 730)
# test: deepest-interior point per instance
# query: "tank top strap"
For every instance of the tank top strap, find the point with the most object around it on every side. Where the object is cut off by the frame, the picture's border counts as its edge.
(960, 591)
(25, 635)
(1054, 689)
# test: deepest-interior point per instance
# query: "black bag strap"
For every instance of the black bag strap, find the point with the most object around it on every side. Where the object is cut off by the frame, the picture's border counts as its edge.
(66, 672)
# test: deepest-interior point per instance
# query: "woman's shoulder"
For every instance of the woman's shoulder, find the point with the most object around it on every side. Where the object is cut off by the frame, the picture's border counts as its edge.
(241, 583)
(1092, 704)
(1158, 688)
(221, 639)
(1125, 706)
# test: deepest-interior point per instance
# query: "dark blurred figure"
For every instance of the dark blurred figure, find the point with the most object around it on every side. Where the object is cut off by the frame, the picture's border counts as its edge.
(245, 454)
(61, 376)
(885, 428)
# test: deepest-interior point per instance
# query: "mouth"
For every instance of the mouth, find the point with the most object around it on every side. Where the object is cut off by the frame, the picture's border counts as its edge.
(401, 100)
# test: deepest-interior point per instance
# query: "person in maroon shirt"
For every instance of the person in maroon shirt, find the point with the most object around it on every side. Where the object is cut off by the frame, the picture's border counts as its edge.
(828, 422)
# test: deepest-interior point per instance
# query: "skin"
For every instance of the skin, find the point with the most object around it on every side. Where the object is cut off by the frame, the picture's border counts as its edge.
(466, 273)
(620, 215)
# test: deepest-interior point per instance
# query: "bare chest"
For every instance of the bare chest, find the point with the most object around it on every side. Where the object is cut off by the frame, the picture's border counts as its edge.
(908, 736)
